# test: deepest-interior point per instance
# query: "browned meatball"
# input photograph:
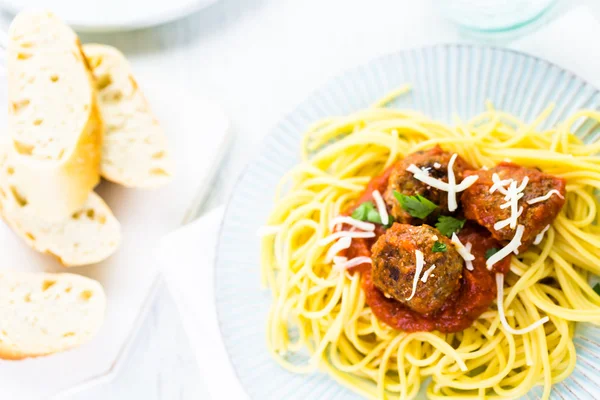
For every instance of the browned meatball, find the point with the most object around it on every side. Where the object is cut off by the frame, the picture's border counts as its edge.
(403, 181)
(394, 267)
(484, 207)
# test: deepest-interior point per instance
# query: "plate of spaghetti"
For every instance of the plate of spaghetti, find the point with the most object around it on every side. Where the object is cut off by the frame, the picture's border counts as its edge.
(428, 227)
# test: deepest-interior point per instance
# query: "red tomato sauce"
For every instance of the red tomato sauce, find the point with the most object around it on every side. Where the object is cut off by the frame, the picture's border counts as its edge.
(476, 293)
(362, 247)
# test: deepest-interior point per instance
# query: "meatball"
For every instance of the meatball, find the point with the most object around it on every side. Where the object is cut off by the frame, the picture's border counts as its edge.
(394, 267)
(484, 207)
(436, 160)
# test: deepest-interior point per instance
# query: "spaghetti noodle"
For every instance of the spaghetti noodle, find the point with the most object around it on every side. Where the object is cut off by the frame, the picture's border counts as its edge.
(319, 314)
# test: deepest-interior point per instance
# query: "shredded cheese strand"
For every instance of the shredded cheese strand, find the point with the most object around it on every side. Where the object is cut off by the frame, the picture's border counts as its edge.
(427, 273)
(523, 185)
(538, 239)
(365, 226)
(505, 222)
(339, 260)
(508, 249)
(513, 200)
(383, 214)
(545, 197)
(338, 246)
(512, 195)
(469, 263)
(337, 235)
(451, 187)
(419, 264)
(499, 184)
(500, 301)
(424, 177)
(452, 205)
(464, 251)
(356, 261)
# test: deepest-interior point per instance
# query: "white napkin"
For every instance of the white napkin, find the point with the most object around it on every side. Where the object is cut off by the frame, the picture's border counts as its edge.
(188, 257)
(568, 41)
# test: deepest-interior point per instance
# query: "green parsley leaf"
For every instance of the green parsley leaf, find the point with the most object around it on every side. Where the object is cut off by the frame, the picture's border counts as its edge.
(361, 213)
(368, 212)
(438, 247)
(597, 288)
(373, 216)
(449, 225)
(490, 252)
(417, 206)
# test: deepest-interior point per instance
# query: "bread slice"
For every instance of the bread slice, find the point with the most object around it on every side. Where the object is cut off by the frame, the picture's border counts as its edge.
(87, 236)
(43, 313)
(134, 152)
(53, 117)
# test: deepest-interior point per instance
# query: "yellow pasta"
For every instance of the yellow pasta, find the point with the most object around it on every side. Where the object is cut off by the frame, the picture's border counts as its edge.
(319, 319)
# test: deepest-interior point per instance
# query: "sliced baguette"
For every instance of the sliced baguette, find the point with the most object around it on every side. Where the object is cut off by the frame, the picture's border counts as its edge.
(43, 313)
(89, 235)
(134, 151)
(53, 117)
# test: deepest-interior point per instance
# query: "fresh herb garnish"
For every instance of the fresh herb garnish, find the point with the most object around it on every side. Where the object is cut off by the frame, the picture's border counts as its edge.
(368, 212)
(417, 206)
(449, 225)
(362, 211)
(490, 252)
(597, 288)
(438, 247)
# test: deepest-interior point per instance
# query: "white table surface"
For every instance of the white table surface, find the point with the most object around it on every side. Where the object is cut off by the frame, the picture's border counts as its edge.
(259, 58)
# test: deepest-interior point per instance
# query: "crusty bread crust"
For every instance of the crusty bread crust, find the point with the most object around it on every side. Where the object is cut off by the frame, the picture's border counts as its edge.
(135, 151)
(57, 172)
(89, 235)
(46, 313)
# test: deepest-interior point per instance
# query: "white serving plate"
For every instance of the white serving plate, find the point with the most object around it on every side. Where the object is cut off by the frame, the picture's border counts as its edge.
(111, 15)
(197, 131)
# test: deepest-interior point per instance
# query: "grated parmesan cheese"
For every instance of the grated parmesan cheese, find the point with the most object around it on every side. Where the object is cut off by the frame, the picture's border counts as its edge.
(452, 184)
(512, 195)
(339, 260)
(365, 226)
(356, 261)
(469, 263)
(505, 222)
(508, 249)
(268, 230)
(338, 246)
(499, 184)
(500, 301)
(523, 185)
(337, 235)
(538, 239)
(451, 187)
(464, 251)
(419, 264)
(427, 273)
(383, 214)
(545, 197)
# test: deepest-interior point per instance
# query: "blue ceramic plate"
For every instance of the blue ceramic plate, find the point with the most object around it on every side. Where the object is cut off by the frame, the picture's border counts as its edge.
(446, 80)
